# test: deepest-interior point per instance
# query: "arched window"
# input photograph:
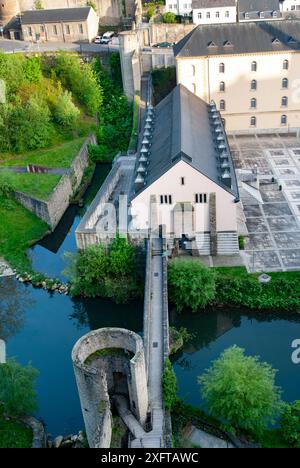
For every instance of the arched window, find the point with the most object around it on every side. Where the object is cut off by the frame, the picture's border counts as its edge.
(285, 83)
(253, 103)
(253, 85)
(284, 101)
(224, 122)
(222, 68)
(253, 121)
(222, 86)
(285, 64)
(254, 66)
(283, 120)
(193, 70)
(222, 104)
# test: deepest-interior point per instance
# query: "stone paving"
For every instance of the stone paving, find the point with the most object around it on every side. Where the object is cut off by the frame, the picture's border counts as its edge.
(274, 226)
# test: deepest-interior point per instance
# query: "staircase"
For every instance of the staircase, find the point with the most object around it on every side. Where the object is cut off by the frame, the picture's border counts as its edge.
(228, 243)
(202, 243)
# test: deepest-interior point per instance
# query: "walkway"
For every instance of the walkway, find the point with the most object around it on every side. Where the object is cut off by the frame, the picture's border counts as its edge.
(202, 439)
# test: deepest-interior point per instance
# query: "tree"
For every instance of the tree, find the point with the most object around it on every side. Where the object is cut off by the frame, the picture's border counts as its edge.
(17, 393)
(39, 5)
(33, 70)
(191, 284)
(91, 4)
(65, 112)
(290, 424)
(169, 385)
(241, 391)
(169, 17)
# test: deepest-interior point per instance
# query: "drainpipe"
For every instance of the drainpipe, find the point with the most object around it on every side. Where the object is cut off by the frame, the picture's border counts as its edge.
(208, 79)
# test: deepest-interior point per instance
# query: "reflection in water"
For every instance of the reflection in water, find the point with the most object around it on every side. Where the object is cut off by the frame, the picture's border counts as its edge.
(13, 303)
(266, 334)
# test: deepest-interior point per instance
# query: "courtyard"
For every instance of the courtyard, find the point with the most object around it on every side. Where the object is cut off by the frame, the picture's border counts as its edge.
(273, 243)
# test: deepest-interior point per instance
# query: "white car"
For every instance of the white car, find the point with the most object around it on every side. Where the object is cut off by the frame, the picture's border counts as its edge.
(97, 39)
(107, 37)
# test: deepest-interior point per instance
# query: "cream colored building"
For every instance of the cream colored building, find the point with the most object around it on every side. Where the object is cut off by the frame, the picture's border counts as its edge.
(214, 11)
(250, 71)
(185, 180)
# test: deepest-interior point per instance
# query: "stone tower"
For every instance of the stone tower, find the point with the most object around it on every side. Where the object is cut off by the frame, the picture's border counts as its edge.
(8, 9)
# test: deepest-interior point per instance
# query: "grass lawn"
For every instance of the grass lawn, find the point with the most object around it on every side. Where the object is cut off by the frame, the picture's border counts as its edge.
(14, 435)
(18, 229)
(59, 156)
(37, 185)
(240, 272)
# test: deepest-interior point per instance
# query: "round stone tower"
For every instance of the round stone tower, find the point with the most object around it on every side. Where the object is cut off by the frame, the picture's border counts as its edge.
(8, 9)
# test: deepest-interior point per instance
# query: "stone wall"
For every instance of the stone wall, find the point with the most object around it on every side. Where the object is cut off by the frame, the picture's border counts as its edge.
(52, 210)
(164, 32)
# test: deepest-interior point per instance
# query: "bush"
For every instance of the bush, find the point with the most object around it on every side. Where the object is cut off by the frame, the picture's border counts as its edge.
(169, 17)
(163, 81)
(6, 189)
(241, 391)
(290, 424)
(65, 112)
(191, 284)
(169, 385)
(17, 394)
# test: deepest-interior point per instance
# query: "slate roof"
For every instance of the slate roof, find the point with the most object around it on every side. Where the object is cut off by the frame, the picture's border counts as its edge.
(183, 131)
(55, 16)
(240, 38)
(255, 7)
(213, 3)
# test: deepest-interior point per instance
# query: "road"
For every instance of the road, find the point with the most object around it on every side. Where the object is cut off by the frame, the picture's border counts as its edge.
(9, 47)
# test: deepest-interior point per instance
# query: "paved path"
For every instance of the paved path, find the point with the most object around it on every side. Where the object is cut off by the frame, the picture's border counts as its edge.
(23, 170)
(9, 47)
(202, 439)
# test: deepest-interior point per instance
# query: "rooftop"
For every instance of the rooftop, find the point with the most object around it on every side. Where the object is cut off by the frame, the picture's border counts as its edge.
(240, 38)
(213, 3)
(183, 130)
(55, 16)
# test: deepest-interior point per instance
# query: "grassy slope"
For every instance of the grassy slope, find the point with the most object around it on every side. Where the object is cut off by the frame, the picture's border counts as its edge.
(14, 435)
(37, 185)
(18, 229)
(58, 157)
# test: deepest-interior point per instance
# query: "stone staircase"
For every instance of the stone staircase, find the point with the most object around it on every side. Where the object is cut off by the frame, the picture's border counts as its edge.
(202, 244)
(228, 243)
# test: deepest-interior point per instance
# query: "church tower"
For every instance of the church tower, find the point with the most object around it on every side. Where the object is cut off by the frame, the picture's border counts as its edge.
(8, 9)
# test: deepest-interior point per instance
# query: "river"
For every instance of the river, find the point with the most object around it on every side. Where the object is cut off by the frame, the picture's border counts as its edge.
(42, 328)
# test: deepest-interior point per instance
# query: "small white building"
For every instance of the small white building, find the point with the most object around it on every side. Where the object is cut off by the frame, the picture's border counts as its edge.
(258, 10)
(214, 11)
(292, 6)
(184, 179)
(179, 7)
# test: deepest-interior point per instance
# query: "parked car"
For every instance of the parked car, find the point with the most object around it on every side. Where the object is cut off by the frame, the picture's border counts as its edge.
(97, 39)
(164, 45)
(107, 37)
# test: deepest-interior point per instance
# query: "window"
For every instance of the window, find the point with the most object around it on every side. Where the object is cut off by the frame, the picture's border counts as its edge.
(222, 105)
(222, 68)
(247, 16)
(253, 85)
(208, 15)
(193, 70)
(253, 103)
(55, 30)
(222, 86)
(182, 180)
(30, 31)
(68, 29)
(226, 14)
(285, 65)
(284, 101)
(283, 120)
(42, 29)
(275, 14)
(285, 83)
(170, 7)
(194, 88)
(217, 14)
(80, 28)
(166, 199)
(254, 66)
(199, 15)
(201, 198)
(253, 121)
(262, 14)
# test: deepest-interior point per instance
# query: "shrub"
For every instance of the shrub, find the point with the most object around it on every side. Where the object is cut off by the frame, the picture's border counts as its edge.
(169, 17)
(191, 284)
(17, 394)
(6, 189)
(290, 424)
(65, 112)
(163, 81)
(33, 70)
(169, 385)
(241, 391)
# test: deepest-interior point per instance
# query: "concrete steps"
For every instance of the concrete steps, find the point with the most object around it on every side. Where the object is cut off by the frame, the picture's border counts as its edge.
(228, 243)
(202, 243)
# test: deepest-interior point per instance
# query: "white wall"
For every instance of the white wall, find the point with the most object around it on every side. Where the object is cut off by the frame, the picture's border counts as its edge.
(195, 182)
(179, 7)
(290, 5)
(215, 15)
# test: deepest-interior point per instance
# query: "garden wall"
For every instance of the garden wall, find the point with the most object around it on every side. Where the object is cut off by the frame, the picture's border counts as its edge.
(52, 210)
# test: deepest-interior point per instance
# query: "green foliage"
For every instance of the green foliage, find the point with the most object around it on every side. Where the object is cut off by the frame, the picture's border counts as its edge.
(244, 290)
(169, 17)
(106, 271)
(169, 385)
(150, 12)
(163, 81)
(17, 394)
(80, 80)
(33, 69)
(115, 69)
(191, 284)
(6, 189)
(241, 391)
(241, 242)
(116, 116)
(290, 424)
(12, 71)
(91, 4)
(39, 5)
(65, 111)
(14, 434)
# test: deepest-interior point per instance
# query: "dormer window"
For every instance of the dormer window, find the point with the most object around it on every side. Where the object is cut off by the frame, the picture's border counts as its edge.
(275, 14)
(262, 14)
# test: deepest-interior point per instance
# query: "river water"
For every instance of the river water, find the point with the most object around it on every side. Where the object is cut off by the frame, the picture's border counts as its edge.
(42, 328)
